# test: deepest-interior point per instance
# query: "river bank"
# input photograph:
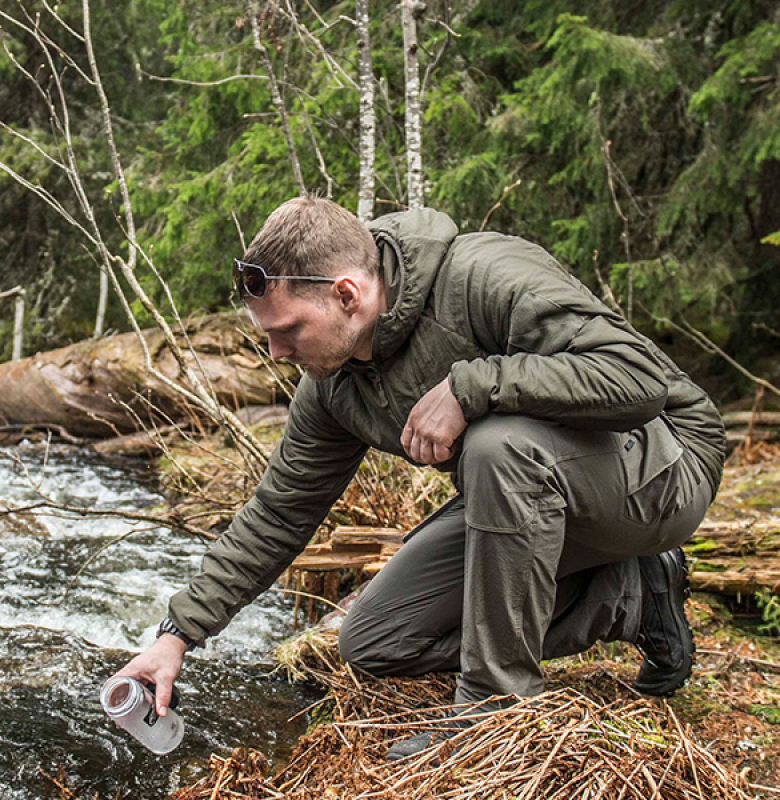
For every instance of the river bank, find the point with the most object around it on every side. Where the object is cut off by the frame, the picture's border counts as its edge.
(731, 706)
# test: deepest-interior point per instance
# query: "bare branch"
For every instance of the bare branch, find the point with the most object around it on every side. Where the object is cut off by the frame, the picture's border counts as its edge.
(315, 145)
(62, 22)
(434, 63)
(305, 35)
(34, 145)
(109, 132)
(626, 235)
(497, 204)
(707, 344)
(239, 229)
(219, 82)
(276, 96)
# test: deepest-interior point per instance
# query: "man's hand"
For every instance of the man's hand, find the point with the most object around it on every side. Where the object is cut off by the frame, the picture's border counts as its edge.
(160, 665)
(433, 425)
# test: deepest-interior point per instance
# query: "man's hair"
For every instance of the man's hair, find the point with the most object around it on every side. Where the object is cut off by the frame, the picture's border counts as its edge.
(312, 236)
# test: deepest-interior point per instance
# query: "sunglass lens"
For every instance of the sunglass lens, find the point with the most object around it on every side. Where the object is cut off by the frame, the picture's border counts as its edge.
(254, 280)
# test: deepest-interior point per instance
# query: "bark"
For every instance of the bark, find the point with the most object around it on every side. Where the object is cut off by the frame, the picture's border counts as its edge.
(102, 387)
(100, 318)
(18, 325)
(367, 114)
(410, 10)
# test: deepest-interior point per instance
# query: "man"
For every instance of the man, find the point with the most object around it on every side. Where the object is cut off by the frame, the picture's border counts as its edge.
(583, 457)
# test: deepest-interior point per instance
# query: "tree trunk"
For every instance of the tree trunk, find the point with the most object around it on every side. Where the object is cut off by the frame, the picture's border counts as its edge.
(100, 318)
(367, 114)
(18, 325)
(101, 387)
(410, 10)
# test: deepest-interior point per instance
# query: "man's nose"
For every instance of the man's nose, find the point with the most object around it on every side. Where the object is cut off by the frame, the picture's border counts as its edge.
(278, 349)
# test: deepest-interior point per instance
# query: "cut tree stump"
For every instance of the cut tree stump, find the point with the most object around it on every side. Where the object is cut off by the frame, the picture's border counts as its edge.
(351, 548)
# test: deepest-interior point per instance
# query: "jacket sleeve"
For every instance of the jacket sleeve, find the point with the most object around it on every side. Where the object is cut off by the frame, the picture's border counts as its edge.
(555, 352)
(306, 474)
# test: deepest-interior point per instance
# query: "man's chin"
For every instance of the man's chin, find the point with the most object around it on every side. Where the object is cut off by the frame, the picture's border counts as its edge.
(321, 373)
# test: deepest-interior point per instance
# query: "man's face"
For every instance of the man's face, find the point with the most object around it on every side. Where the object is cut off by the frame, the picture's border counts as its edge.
(308, 330)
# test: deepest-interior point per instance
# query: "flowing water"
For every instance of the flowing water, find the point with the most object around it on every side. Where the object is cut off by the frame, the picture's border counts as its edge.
(56, 653)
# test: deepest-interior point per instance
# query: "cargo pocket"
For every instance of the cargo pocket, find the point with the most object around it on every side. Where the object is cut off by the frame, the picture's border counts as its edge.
(649, 455)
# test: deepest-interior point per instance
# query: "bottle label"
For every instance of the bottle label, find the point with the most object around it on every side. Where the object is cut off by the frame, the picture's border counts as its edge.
(152, 716)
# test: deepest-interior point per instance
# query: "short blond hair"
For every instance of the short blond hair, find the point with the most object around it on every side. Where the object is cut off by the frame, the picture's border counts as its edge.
(312, 236)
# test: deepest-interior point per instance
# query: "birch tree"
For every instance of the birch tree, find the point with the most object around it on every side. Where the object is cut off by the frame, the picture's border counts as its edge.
(100, 317)
(367, 113)
(411, 12)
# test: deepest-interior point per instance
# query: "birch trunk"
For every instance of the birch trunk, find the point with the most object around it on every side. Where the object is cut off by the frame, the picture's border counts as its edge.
(367, 114)
(18, 325)
(410, 9)
(100, 318)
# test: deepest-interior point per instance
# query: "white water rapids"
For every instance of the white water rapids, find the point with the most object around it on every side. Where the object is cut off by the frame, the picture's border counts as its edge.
(55, 653)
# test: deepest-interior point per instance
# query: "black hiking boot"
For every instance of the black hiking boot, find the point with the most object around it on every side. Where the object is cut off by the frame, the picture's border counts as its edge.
(446, 729)
(665, 639)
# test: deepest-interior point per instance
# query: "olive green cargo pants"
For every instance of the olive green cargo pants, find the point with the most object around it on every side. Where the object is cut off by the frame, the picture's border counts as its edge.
(534, 558)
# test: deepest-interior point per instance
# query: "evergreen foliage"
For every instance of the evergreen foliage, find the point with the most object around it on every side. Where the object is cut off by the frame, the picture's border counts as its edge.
(638, 143)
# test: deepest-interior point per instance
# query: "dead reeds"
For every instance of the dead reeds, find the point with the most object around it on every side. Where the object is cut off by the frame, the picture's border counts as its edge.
(556, 746)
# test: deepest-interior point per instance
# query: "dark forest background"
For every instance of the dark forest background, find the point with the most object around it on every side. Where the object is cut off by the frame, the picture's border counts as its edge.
(637, 141)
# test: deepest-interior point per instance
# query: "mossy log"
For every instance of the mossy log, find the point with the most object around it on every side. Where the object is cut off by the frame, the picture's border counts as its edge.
(735, 557)
(99, 387)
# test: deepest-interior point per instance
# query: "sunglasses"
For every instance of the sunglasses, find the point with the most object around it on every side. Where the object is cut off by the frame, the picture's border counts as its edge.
(251, 280)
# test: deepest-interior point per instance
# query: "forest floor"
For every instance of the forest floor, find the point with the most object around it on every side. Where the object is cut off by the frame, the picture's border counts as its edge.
(729, 711)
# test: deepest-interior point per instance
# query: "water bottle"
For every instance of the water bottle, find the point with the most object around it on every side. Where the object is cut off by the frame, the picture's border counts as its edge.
(131, 706)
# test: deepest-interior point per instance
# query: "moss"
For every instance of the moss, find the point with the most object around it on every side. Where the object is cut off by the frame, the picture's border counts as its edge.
(321, 714)
(703, 546)
(768, 500)
(770, 714)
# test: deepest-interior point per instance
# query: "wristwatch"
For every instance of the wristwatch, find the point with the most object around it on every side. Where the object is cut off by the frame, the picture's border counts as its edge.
(167, 626)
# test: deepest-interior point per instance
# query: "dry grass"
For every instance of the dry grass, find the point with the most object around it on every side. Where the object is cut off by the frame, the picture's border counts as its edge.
(560, 745)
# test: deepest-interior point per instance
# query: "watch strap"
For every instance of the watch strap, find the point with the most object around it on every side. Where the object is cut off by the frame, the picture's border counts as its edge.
(168, 626)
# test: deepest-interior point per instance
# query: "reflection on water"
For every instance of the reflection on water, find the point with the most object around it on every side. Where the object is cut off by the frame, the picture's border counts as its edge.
(54, 658)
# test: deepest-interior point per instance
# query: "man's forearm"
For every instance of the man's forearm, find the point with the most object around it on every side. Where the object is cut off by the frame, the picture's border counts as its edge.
(245, 561)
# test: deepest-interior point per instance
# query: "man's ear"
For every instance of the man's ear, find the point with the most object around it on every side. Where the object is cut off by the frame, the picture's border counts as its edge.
(348, 293)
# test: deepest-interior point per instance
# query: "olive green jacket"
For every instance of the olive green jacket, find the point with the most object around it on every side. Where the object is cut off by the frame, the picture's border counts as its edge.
(514, 333)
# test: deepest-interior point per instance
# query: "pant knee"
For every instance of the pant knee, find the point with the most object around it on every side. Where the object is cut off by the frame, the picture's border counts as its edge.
(503, 473)
(348, 642)
(496, 444)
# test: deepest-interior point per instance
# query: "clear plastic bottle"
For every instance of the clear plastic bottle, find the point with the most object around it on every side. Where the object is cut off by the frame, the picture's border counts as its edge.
(131, 705)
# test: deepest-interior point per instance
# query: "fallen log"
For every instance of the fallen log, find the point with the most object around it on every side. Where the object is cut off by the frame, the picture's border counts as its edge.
(732, 419)
(99, 388)
(724, 557)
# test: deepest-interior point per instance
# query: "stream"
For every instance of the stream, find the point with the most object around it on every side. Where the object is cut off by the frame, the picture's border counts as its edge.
(56, 653)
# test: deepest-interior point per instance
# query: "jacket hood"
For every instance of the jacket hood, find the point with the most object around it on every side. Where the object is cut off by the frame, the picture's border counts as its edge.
(412, 246)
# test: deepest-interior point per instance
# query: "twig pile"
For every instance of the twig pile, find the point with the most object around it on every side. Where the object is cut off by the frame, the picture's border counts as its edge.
(556, 746)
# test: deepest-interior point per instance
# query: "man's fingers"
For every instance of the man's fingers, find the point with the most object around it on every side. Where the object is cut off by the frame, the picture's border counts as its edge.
(406, 437)
(164, 689)
(441, 453)
(426, 452)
